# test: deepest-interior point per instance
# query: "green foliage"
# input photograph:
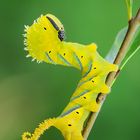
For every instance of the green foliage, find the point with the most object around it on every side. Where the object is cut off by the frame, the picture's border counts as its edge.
(129, 4)
(116, 45)
(135, 46)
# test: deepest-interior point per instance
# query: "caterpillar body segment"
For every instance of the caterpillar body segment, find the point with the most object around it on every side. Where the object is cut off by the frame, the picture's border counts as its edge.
(95, 84)
(44, 41)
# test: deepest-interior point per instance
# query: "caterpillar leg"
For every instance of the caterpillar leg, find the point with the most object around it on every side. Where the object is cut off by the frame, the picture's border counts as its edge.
(92, 106)
(77, 137)
(73, 136)
(67, 136)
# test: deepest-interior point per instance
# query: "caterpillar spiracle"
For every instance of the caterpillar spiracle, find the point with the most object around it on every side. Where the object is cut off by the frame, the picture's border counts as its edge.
(44, 41)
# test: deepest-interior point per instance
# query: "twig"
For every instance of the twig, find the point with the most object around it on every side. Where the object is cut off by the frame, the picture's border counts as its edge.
(133, 27)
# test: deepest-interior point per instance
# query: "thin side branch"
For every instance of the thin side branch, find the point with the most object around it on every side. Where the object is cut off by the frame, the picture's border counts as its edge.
(132, 29)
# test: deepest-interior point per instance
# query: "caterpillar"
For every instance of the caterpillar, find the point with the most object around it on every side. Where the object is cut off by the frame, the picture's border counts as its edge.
(44, 41)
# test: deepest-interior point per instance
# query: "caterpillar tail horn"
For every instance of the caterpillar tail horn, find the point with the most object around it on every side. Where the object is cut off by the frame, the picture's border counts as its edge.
(40, 130)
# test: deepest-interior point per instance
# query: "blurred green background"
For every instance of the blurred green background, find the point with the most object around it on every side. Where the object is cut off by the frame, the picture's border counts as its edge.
(31, 92)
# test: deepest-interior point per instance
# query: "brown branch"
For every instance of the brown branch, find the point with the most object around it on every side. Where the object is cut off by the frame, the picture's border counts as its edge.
(132, 29)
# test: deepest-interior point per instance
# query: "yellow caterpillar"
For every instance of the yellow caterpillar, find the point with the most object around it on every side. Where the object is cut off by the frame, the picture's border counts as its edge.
(44, 41)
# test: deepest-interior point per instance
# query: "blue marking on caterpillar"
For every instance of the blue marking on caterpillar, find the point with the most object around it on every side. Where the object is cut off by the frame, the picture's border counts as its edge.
(81, 83)
(64, 60)
(89, 69)
(78, 60)
(82, 93)
(49, 58)
(69, 111)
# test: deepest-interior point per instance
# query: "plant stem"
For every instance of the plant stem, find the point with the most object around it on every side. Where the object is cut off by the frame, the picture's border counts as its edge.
(132, 29)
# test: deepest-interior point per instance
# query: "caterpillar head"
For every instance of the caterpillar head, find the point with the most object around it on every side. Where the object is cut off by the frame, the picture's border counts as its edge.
(46, 32)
